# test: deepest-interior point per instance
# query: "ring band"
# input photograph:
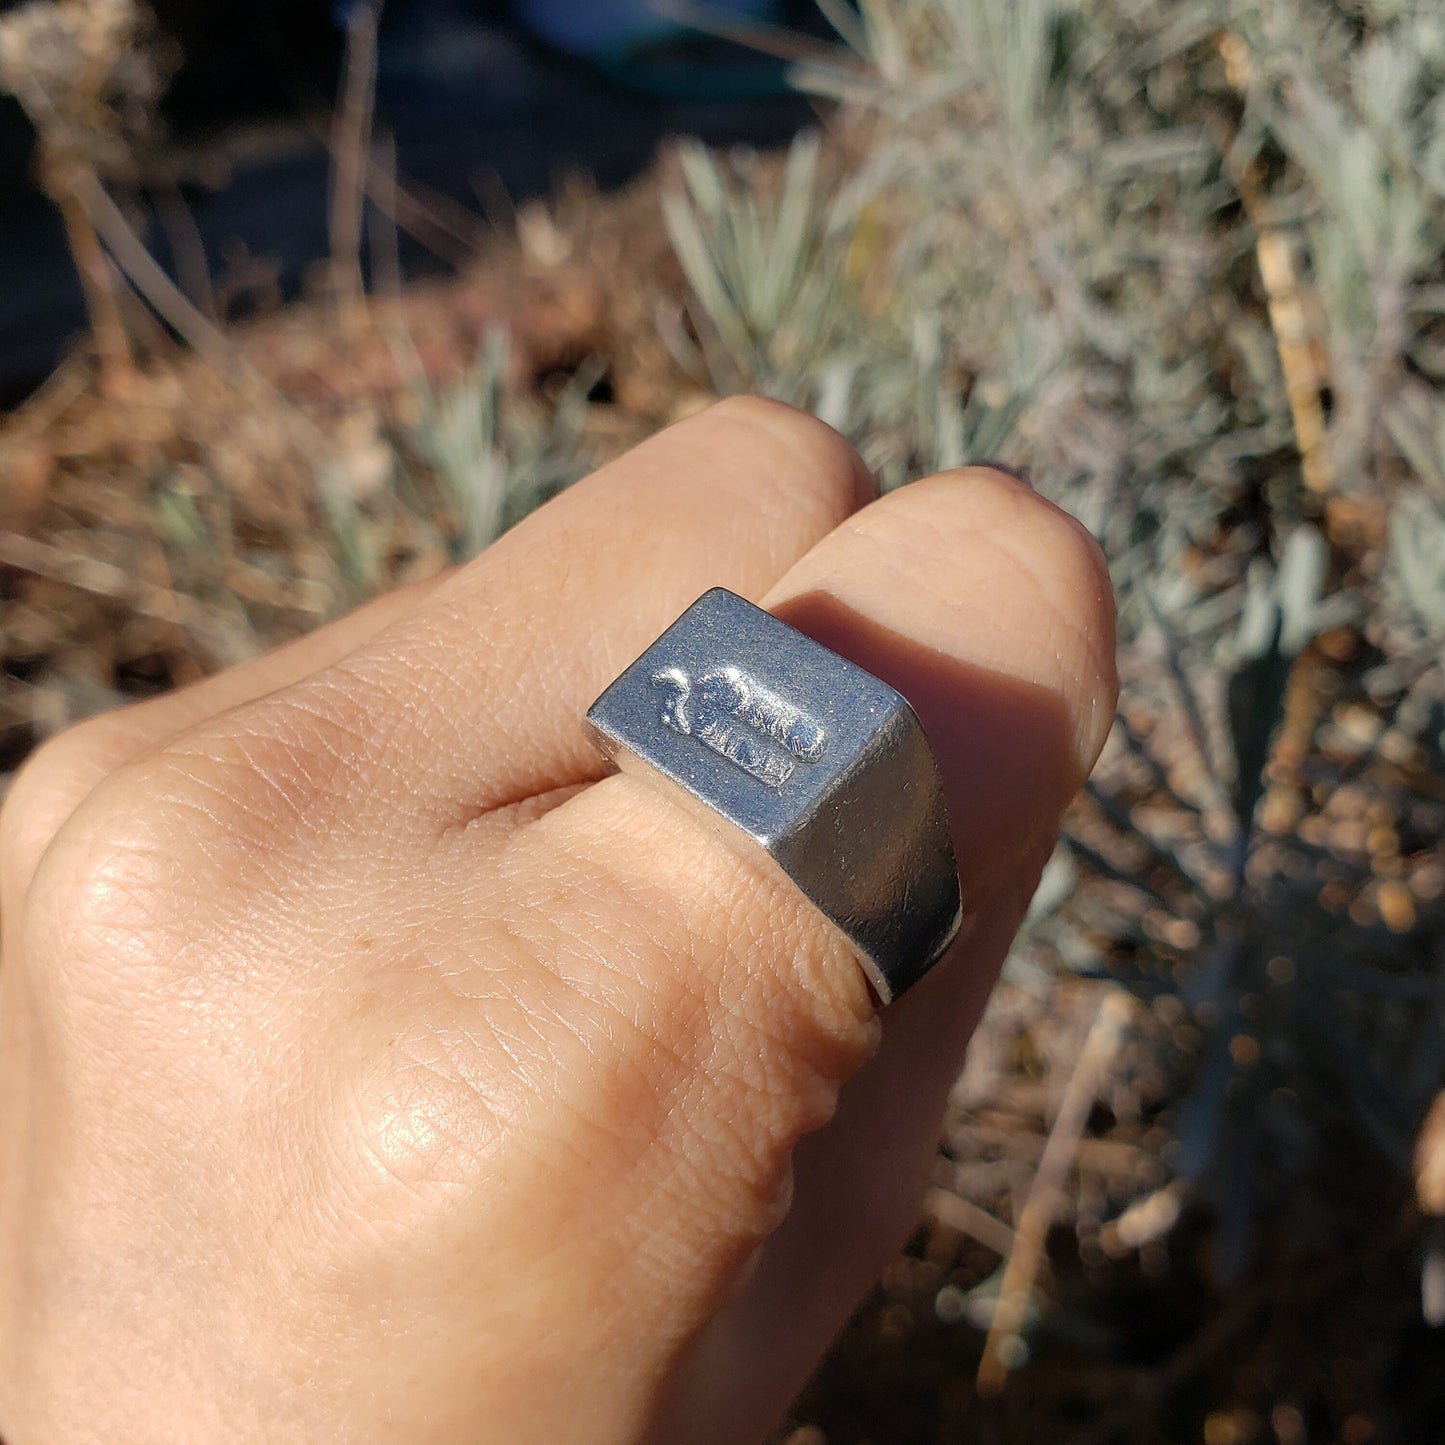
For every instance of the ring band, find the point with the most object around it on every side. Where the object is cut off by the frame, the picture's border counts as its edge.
(791, 748)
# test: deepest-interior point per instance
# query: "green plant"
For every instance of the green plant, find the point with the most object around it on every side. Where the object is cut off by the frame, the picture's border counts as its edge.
(496, 460)
(464, 461)
(767, 270)
(1318, 1005)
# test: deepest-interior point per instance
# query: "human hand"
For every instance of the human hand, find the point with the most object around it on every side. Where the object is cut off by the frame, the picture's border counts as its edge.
(373, 1068)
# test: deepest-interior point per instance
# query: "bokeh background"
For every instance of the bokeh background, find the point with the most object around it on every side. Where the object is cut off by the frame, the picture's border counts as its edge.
(300, 303)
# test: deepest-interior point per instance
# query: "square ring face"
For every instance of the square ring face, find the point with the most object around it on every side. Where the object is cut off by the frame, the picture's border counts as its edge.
(747, 715)
(821, 764)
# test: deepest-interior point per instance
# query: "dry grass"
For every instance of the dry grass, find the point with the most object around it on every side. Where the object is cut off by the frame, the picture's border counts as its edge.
(223, 505)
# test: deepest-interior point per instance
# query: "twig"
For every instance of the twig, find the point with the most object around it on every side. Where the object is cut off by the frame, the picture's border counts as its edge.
(448, 230)
(350, 147)
(1098, 863)
(1154, 1389)
(1155, 775)
(1037, 1214)
(1118, 815)
(192, 270)
(1182, 689)
(39, 411)
(754, 35)
(150, 281)
(147, 276)
(385, 243)
(117, 366)
(107, 579)
(1287, 317)
(947, 1209)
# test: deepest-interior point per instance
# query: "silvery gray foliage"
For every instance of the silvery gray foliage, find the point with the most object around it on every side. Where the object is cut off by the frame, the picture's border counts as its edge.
(486, 455)
(1363, 121)
(767, 275)
(1048, 250)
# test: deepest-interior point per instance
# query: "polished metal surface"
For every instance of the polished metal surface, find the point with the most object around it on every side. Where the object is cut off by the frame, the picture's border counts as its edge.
(790, 748)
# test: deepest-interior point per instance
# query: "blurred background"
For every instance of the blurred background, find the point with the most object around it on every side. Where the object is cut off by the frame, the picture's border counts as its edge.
(300, 303)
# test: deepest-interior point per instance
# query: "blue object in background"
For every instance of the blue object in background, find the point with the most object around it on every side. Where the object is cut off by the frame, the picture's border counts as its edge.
(450, 58)
(607, 30)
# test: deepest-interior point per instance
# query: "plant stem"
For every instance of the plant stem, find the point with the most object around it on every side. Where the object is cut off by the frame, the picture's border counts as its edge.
(117, 366)
(106, 221)
(1027, 1256)
(350, 147)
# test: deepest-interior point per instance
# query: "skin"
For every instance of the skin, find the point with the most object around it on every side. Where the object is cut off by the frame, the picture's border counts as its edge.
(372, 1067)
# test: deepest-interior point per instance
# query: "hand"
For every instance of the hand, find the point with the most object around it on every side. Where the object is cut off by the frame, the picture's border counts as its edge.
(373, 1068)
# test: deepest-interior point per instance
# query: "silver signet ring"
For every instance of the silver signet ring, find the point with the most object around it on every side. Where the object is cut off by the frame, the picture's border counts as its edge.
(790, 748)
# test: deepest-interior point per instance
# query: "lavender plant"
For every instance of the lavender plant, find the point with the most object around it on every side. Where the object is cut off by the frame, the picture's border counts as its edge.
(1186, 262)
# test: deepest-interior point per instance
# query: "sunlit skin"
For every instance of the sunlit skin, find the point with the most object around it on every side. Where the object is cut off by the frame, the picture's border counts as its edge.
(372, 1068)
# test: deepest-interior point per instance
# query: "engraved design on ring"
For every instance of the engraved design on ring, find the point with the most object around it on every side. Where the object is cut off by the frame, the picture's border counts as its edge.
(741, 719)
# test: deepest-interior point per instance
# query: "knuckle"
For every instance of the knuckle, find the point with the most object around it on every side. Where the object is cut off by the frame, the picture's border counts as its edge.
(172, 834)
(725, 1014)
(55, 777)
(278, 775)
(809, 448)
(420, 1125)
(185, 854)
(105, 903)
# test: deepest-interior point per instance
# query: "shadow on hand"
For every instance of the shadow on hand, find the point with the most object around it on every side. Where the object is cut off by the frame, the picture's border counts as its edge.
(1004, 746)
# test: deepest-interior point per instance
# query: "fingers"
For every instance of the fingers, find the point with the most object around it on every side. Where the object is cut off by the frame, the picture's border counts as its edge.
(63, 772)
(478, 679)
(483, 688)
(857, 1185)
(856, 1193)
(990, 610)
